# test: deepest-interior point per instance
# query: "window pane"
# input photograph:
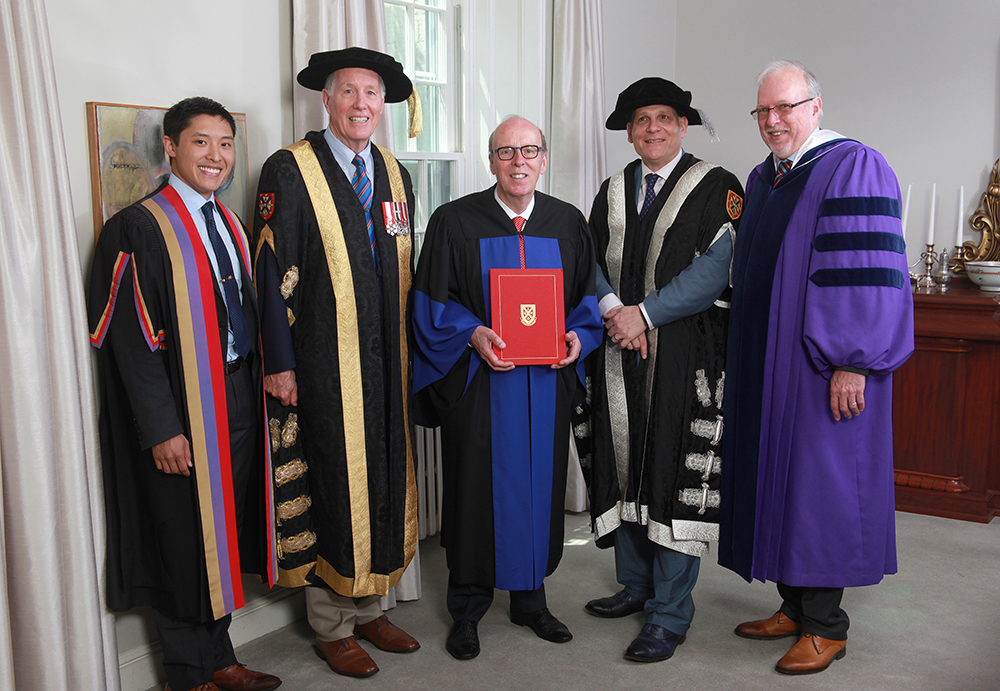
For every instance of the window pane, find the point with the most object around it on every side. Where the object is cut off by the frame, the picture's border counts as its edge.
(434, 136)
(429, 3)
(419, 219)
(429, 46)
(418, 244)
(395, 32)
(400, 125)
(438, 183)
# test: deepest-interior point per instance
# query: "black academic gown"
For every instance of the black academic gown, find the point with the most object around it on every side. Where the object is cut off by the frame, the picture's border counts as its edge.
(349, 518)
(671, 471)
(156, 554)
(505, 434)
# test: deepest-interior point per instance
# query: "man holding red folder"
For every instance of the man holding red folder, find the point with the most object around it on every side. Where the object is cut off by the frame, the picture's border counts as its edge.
(505, 427)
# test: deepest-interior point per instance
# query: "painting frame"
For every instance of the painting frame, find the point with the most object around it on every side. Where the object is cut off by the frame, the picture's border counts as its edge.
(127, 160)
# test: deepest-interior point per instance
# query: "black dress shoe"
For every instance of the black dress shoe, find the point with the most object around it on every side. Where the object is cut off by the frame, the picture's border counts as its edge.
(621, 604)
(543, 624)
(653, 644)
(463, 641)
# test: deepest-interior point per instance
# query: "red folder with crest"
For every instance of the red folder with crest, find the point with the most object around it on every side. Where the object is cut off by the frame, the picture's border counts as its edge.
(528, 315)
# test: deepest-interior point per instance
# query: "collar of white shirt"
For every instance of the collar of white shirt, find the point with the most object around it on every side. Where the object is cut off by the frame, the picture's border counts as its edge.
(192, 199)
(510, 212)
(194, 202)
(662, 174)
(819, 136)
(345, 155)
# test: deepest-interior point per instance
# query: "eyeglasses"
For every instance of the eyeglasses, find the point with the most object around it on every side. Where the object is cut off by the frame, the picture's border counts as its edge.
(506, 153)
(781, 109)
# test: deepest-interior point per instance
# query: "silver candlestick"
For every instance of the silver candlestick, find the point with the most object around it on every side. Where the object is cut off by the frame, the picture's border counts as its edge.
(925, 281)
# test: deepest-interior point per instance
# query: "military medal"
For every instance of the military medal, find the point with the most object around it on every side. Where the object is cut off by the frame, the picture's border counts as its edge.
(397, 219)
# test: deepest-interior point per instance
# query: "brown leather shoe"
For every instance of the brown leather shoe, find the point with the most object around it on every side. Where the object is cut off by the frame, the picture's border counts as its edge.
(238, 678)
(811, 654)
(777, 626)
(386, 636)
(346, 657)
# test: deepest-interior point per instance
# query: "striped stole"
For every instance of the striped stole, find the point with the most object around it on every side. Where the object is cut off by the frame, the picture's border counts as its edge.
(200, 346)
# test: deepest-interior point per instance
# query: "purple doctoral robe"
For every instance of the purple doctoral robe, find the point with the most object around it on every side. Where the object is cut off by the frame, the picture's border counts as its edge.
(820, 282)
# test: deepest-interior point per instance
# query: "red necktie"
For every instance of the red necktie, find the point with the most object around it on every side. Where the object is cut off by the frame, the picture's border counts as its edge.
(519, 224)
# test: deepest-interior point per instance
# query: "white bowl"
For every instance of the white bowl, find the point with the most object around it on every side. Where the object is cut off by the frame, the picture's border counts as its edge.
(984, 274)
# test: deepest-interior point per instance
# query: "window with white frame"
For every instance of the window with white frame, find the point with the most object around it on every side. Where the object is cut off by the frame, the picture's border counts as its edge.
(423, 36)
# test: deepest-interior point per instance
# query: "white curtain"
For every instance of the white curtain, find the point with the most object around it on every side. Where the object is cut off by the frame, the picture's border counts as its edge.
(577, 156)
(320, 25)
(59, 635)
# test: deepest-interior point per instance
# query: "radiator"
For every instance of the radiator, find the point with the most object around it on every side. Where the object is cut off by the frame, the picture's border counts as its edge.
(427, 449)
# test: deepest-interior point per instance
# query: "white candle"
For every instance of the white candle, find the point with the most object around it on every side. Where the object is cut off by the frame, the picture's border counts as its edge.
(906, 209)
(930, 231)
(960, 235)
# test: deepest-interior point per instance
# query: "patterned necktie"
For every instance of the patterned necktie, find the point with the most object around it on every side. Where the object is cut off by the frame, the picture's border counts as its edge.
(650, 194)
(237, 320)
(783, 167)
(363, 187)
(519, 224)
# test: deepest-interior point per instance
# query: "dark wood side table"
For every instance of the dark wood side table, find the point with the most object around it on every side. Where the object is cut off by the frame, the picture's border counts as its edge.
(946, 407)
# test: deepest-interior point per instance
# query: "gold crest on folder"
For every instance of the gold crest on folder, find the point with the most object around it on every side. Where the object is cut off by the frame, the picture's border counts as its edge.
(528, 315)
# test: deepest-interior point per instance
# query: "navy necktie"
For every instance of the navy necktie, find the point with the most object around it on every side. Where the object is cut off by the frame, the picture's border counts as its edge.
(783, 167)
(237, 320)
(650, 194)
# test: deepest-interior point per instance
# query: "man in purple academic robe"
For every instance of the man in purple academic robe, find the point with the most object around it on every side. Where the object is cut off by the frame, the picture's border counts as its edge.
(821, 316)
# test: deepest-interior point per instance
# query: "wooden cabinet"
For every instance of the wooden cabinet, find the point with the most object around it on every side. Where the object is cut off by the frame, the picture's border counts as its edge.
(946, 406)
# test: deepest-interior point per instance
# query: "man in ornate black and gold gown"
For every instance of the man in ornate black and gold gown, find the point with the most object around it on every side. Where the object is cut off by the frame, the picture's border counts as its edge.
(333, 269)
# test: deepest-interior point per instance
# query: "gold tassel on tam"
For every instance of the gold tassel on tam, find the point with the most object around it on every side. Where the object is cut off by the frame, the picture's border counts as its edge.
(416, 114)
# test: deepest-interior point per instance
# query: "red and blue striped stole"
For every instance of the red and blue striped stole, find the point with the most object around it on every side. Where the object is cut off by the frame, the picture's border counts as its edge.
(200, 346)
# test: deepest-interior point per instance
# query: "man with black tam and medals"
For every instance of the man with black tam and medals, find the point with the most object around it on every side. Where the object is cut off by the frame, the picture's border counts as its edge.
(664, 230)
(504, 428)
(333, 268)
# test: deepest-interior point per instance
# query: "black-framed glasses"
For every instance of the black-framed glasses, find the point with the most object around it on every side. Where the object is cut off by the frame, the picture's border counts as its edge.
(506, 153)
(781, 109)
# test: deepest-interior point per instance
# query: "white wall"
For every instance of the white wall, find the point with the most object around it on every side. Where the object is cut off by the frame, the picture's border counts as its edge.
(915, 80)
(507, 68)
(639, 41)
(127, 51)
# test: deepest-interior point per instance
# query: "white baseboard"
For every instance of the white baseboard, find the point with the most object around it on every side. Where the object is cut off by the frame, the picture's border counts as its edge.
(140, 668)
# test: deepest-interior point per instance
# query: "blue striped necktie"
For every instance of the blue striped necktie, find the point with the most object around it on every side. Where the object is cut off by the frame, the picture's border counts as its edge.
(363, 187)
(227, 277)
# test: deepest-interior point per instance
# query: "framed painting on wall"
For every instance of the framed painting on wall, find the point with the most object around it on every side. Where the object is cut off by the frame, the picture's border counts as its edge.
(127, 161)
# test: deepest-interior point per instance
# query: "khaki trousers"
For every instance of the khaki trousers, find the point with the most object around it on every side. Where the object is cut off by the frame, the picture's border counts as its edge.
(333, 616)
